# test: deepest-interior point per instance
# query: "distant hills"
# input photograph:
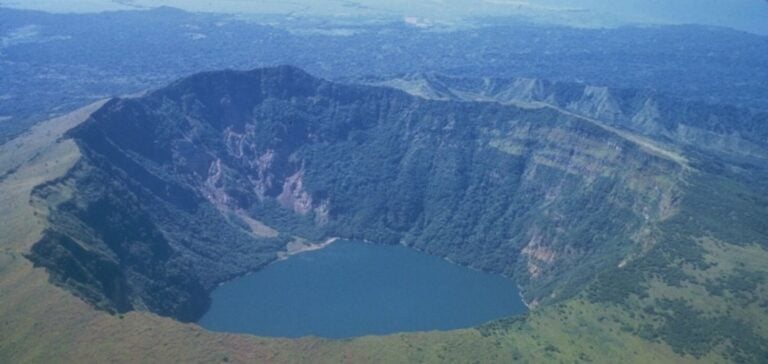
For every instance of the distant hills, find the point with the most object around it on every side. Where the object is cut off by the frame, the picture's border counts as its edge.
(744, 15)
(51, 64)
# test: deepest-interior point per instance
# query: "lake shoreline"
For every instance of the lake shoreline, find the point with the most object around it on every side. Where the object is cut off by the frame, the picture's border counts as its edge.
(298, 247)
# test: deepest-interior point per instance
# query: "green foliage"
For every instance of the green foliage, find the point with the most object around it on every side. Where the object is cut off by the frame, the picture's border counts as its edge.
(728, 206)
(689, 331)
(712, 207)
(743, 284)
(153, 200)
(502, 326)
(392, 169)
(118, 245)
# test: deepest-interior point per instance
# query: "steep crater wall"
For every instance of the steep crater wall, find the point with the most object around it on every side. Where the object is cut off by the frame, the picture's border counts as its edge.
(163, 204)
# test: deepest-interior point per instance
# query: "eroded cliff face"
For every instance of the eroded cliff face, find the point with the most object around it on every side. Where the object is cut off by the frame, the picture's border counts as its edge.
(189, 185)
(730, 132)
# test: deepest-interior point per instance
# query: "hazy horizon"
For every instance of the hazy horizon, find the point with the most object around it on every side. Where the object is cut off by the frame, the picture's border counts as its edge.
(745, 15)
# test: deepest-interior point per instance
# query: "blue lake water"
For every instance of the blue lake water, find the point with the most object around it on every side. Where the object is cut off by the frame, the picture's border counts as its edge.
(353, 289)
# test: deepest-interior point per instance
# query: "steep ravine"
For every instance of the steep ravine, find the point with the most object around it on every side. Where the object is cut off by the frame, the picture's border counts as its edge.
(188, 186)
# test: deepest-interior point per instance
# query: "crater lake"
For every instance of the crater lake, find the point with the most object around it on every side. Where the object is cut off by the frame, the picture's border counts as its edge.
(352, 289)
